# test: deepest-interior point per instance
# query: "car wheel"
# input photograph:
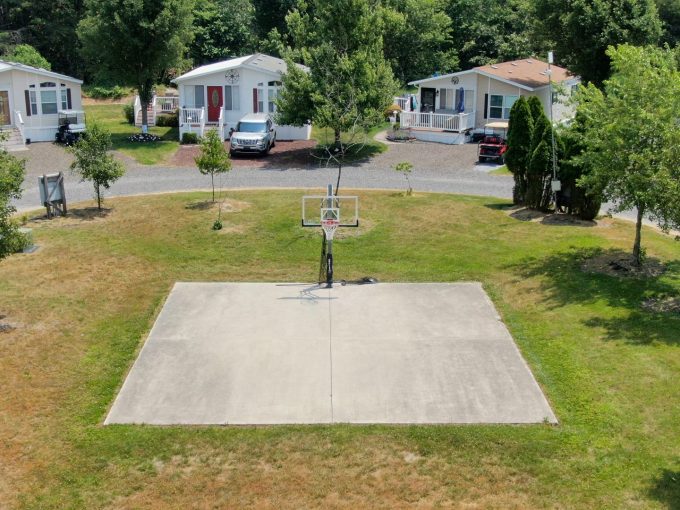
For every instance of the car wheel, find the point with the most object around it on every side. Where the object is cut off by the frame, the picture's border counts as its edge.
(273, 144)
(482, 159)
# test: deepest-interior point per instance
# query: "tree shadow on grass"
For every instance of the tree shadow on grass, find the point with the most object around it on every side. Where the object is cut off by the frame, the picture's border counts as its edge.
(564, 282)
(667, 489)
(82, 213)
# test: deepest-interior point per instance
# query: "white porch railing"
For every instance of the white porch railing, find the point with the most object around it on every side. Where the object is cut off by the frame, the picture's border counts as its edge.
(404, 103)
(19, 121)
(192, 120)
(165, 104)
(437, 121)
(220, 124)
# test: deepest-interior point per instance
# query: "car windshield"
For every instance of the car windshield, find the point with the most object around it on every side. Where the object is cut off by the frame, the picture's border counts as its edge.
(252, 127)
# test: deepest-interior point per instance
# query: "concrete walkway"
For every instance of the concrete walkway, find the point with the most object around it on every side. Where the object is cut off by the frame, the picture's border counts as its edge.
(259, 353)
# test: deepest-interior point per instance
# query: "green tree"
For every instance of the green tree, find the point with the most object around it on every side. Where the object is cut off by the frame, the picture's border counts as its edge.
(349, 83)
(632, 136)
(93, 162)
(539, 169)
(11, 178)
(669, 12)
(271, 15)
(536, 108)
(487, 31)
(135, 42)
(405, 168)
(517, 157)
(26, 54)
(418, 38)
(222, 29)
(580, 31)
(214, 157)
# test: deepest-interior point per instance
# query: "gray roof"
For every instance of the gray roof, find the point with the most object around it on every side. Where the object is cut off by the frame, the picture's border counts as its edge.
(257, 61)
(7, 66)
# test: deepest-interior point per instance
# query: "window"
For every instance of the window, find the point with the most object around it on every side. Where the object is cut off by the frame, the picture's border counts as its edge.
(499, 106)
(64, 99)
(574, 89)
(48, 101)
(34, 102)
(231, 98)
(555, 97)
(260, 98)
(199, 99)
(48, 85)
(446, 99)
(272, 95)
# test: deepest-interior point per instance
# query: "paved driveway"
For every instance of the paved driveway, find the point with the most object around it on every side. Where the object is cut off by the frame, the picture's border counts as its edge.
(437, 168)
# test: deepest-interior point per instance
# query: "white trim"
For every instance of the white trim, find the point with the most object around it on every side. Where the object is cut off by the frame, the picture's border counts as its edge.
(470, 71)
(30, 69)
(450, 75)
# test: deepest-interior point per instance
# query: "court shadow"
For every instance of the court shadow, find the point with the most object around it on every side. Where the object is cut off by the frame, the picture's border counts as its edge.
(667, 489)
(564, 282)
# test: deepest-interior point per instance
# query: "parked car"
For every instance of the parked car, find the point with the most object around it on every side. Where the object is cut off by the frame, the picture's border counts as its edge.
(254, 133)
(71, 126)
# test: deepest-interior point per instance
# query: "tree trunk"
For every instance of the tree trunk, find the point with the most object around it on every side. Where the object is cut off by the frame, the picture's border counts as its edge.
(212, 180)
(637, 251)
(99, 196)
(145, 116)
(337, 137)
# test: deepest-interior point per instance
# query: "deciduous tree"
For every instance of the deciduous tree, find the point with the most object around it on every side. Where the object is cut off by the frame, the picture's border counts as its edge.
(135, 42)
(93, 161)
(633, 136)
(11, 178)
(214, 157)
(580, 31)
(26, 54)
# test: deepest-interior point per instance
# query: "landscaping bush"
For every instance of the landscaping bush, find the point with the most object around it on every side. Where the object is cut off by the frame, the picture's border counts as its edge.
(129, 112)
(189, 138)
(101, 92)
(168, 120)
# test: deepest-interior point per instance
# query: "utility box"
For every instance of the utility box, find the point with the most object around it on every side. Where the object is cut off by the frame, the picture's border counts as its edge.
(52, 193)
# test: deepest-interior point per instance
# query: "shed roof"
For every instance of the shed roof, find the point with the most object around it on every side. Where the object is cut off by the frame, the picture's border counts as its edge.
(258, 61)
(7, 66)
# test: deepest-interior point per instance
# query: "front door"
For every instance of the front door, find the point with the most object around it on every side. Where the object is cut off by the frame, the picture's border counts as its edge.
(5, 119)
(427, 100)
(214, 103)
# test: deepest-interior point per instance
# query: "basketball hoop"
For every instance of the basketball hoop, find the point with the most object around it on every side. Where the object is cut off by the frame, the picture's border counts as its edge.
(329, 227)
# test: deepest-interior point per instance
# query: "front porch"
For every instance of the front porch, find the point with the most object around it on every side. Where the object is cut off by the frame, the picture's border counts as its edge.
(449, 128)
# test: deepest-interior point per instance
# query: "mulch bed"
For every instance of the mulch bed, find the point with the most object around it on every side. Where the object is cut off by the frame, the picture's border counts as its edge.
(294, 154)
(621, 265)
(662, 305)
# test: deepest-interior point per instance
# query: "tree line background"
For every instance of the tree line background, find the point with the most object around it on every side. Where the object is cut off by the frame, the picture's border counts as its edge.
(420, 37)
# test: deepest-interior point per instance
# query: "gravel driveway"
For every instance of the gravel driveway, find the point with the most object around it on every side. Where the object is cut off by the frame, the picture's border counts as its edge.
(437, 168)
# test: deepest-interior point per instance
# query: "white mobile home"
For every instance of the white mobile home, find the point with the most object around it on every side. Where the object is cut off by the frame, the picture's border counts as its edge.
(216, 96)
(448, 107)
(30, 99)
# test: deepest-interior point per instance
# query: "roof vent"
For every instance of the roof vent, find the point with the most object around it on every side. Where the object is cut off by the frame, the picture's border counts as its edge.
(494, 67)
(513, 64)
(529, 61)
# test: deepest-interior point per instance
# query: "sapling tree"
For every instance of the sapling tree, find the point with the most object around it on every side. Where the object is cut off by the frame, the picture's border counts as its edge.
(93, 162)
(632, 136)
(405, 168)
(213, 158)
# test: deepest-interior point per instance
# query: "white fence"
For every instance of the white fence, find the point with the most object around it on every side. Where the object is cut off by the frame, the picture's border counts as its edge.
(437, 121)
(191, 120)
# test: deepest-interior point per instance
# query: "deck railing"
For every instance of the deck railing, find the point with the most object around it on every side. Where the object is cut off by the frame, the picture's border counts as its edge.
(404, 103)
(192, 120)
(437, 121)
(165, 104)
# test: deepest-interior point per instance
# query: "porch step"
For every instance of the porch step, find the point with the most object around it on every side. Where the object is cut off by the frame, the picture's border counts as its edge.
(14, 141)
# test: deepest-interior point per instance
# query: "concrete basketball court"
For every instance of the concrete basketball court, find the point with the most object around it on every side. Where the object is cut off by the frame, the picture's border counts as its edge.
(262, 353)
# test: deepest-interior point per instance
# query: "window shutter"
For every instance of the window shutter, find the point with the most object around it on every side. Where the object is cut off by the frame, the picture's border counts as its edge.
(486, 105)
(28, 103)
(255, 101)
(68, 99)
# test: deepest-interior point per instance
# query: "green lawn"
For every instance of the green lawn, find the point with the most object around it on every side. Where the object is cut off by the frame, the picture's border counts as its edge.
(110, 116)
(503, 170)
(609, 368)
(363, 144)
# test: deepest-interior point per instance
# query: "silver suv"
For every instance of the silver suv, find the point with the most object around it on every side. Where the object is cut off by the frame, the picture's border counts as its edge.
(254, 133)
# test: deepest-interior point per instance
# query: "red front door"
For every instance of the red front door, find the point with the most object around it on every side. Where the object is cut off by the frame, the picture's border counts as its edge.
(214, 103)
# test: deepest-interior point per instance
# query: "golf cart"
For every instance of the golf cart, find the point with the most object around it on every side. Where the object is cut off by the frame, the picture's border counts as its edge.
(493, 146)
(71, 126)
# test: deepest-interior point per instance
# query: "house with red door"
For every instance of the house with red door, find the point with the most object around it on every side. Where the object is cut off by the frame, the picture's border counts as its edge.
(217, 96)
